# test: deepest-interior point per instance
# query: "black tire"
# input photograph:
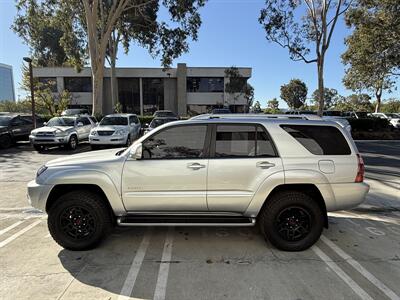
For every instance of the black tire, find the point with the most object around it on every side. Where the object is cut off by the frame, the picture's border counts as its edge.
(38, 148)
(73, 142)
(128, 140)
(74, 232)
(291, 221)
(5, 141)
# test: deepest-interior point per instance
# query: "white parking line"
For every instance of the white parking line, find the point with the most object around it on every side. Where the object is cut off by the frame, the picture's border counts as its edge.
(375, 281)
(19, 233)
(11, 227)
(346, 278)
(129, 283)
(161, 286)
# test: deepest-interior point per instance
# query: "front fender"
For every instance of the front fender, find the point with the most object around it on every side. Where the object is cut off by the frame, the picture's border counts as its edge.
(75, 176)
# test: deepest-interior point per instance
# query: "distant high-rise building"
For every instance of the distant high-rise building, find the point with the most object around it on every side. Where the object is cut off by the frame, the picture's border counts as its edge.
(6, 83)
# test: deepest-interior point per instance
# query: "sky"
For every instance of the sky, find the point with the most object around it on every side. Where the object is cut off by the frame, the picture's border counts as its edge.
(230, 35)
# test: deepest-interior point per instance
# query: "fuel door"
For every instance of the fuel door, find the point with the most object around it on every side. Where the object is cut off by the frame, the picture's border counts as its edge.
(326, 166)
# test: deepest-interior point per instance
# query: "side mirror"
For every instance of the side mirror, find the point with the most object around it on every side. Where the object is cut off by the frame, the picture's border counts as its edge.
(132, 124)
(44, 123)
(80, 124)
(136, 152)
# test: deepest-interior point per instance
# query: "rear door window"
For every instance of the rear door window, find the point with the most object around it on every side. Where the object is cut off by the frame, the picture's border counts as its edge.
(234, 141)
(319, 140)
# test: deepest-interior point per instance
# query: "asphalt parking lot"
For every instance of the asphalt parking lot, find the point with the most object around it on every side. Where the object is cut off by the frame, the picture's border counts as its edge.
(358, 257)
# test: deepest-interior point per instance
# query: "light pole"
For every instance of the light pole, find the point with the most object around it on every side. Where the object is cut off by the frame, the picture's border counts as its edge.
(29, 61)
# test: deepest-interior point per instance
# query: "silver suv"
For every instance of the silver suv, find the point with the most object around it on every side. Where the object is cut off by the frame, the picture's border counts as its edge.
(283, 175)
(62, 131)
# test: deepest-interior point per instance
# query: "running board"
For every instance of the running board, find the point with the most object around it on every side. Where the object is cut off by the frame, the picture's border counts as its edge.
(184, 220)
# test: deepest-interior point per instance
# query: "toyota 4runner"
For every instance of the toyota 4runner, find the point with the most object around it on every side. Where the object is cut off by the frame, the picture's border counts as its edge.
(283, 175)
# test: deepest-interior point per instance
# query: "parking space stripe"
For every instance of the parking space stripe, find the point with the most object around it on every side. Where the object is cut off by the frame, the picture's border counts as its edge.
(161, 286)
(129, 283)
(19, 233)
(10, 227)
(375, 281)
(346, 278)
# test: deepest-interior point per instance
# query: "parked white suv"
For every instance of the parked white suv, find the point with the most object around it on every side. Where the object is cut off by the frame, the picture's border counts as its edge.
(282, 174)
(115, 129)
(62, 131)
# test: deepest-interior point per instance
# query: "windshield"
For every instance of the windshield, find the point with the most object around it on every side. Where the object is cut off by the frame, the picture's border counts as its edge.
(4, 120)
(362, 114)
(332, 113)
(392, 115)
(157, 122)
(62, 121)
(114, 121)
(164, 114)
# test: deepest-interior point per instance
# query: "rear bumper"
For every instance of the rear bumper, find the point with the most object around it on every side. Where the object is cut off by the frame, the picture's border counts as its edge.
(348, 195)
(38, 194)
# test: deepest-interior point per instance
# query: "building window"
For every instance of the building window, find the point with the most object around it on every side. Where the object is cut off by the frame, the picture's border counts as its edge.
(129, 95)
(48, 82)
(153, 95)
(205, 84)
(78, 84)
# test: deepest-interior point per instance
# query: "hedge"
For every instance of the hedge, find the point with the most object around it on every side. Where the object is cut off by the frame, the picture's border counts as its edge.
(368, 124)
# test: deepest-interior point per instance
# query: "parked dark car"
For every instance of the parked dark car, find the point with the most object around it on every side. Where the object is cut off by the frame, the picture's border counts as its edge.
(221, 111)
(164, 114)
(16, 127)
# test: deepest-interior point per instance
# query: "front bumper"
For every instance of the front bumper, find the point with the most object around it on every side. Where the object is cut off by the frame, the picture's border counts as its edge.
(108, 140)
(45, 140)
(38, 194)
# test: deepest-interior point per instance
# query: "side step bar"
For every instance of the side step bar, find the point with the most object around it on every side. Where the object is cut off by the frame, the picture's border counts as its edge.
(184, 220)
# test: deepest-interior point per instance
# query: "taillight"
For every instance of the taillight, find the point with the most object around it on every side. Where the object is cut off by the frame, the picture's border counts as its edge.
(361, 169)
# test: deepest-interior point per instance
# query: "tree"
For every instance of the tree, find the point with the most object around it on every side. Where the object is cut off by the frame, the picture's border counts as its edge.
(373, 49)
(285, 26)
(237, 86)
(294, 93)
(256, 108)
(92, 22)
(330, 97)
(392, 105)
(355, 102)
(41, 28)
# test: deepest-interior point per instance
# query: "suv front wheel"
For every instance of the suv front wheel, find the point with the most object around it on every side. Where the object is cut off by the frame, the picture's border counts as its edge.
(291, 221)
(79, 220)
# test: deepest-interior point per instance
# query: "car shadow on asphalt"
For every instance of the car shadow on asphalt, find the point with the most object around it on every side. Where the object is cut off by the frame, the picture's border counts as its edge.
(213, 249)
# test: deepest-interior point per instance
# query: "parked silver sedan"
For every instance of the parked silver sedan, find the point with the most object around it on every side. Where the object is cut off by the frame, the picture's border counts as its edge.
(115, 129)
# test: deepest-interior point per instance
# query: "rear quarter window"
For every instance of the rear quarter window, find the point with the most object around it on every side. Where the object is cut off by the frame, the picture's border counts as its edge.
(319, 140)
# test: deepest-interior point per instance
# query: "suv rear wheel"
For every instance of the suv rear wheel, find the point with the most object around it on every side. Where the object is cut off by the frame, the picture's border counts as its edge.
(292, 221)
(79, 220)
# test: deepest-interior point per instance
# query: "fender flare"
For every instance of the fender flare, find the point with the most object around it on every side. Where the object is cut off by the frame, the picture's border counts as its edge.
(74, 176)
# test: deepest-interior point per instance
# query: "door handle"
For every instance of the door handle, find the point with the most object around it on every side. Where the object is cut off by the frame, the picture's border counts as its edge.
(265, 165)
(195, 166)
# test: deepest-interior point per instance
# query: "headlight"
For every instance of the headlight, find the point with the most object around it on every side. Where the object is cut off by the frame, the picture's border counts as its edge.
(33, 133)
(41, 170)
(93, 132)
(61, 133)
(121, 132)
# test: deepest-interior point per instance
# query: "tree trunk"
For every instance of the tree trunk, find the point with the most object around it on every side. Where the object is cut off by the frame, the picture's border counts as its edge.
(321, 100)
(378, 95)
(113, 79)
(98, 89)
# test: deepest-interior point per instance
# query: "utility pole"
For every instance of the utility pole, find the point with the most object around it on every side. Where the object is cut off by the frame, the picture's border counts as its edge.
(29, 61)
